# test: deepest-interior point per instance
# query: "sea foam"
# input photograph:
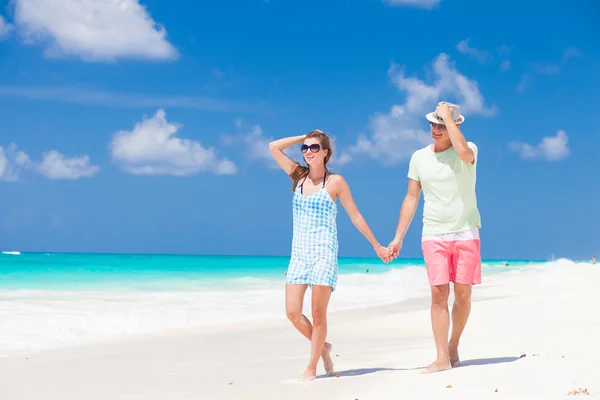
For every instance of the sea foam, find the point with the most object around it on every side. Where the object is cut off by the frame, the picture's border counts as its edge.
(34, 319)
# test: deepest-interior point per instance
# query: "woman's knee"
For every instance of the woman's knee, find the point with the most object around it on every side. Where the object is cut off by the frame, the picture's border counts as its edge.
(319, 315)
(320, 300)
(293, 314)
(294, 296)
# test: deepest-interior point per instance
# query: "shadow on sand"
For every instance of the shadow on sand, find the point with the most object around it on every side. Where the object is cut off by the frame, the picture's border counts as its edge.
(487, 361)
(466, 363)
(363, 371)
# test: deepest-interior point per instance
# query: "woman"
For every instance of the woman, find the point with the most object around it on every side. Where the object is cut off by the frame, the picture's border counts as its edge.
(314, 247)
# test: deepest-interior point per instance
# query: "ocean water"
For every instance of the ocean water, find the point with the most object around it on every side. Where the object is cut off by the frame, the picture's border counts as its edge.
(50, 300)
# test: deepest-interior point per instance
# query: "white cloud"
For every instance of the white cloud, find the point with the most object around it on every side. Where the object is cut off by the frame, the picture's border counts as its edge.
(395, 135)
(12, 161)
(448, 82)
(338, 159)
(96, 97)
(5, 172)
(22, 159)
(5, 27)
(546, 68)
(504, 50)
(483, 56)
(525, 82)
(55, 166)
(94, 30)
(255, 143)
(414, 3)
(464, 48)
(152, 148)
(551, 148)
(571, 52)
(257, 146)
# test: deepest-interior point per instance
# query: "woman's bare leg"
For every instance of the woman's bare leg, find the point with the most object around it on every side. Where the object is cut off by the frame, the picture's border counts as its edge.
(320, 301)
(294, 299)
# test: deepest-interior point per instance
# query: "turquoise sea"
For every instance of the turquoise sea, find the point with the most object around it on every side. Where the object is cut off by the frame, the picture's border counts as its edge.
(59, 299)
(80, 271)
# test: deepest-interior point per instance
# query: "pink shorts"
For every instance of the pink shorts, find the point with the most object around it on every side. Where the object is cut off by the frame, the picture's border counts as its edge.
(453, 257)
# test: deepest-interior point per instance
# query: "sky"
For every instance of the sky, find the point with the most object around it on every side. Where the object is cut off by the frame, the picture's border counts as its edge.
(138, 126)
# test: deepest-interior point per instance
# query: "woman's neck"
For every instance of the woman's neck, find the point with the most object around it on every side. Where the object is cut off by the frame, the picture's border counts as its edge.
(316, 172)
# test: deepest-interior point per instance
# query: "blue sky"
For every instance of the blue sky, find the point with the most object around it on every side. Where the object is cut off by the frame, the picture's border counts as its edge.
(142, 127)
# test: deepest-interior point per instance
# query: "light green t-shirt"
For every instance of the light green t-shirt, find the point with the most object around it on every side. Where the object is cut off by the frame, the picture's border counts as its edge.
(448, 185)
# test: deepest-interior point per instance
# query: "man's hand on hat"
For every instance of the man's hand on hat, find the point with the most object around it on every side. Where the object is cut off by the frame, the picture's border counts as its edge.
(443, 111)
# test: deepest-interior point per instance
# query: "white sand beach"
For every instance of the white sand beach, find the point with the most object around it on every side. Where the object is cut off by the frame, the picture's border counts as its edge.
(532, 334)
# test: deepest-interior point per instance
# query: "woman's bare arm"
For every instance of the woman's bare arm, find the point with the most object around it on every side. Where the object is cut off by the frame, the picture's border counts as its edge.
(277, 146)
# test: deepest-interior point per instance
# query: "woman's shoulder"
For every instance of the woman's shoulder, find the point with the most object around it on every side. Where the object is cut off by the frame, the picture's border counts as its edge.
(335, 179)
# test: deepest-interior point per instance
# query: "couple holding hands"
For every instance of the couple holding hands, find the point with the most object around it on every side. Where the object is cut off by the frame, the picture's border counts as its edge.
(446, 173)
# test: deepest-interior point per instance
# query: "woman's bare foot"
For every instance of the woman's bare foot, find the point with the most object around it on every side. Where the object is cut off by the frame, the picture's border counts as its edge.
(454, 358)
(310, 374)
(437, 366)
(327, 361)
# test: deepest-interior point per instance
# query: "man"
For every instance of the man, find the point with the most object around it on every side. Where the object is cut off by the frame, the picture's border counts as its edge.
(446, 172)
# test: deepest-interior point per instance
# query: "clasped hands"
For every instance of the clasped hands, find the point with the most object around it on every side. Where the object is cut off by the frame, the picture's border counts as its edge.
(390, 252)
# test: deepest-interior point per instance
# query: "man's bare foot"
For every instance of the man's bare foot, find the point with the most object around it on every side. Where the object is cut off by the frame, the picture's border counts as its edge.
(310, 374)
(327, 362)
(437, 366)
(454, 358)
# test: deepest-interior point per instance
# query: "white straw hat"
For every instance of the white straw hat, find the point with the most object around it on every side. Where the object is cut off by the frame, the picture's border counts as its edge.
(454, 109)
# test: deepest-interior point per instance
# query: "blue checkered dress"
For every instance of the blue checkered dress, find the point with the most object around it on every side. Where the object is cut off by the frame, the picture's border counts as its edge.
(314, 244)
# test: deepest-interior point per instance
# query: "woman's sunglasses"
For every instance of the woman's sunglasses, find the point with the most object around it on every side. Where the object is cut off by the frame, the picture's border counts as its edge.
(314, 148)
(439, 127)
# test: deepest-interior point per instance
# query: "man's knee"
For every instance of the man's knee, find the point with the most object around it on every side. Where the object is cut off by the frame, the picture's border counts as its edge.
(439, 294)
(462, 294)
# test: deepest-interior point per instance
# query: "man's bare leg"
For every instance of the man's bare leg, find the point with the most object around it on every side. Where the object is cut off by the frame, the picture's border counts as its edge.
(294, 299)
(440, 322)
(320, 301)
(460, 314)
